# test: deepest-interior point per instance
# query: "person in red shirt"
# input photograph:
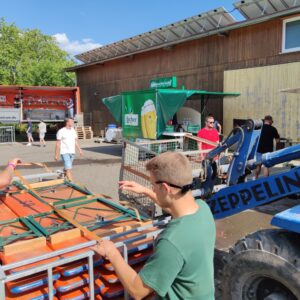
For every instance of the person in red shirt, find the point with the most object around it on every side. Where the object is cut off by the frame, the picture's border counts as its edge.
(208, 133)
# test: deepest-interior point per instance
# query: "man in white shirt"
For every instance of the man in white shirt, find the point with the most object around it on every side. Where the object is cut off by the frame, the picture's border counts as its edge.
(42, 132)
(66, 143)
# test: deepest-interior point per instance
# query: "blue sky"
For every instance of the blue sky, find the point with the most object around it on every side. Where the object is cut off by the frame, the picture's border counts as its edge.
(80, 25)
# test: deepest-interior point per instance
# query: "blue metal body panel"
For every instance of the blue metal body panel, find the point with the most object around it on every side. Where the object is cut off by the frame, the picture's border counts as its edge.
(240, 195)
(288, 219)
(234, 199)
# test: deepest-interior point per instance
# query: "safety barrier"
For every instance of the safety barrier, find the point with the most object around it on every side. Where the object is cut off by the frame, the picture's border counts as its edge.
(7, 134)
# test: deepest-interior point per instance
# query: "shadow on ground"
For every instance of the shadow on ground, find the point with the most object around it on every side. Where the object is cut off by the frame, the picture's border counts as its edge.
(278, 206)
(115, 150)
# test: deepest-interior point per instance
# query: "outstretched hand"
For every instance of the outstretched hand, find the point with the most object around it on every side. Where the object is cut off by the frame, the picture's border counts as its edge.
(15, 161)
(132, 186)
(106, 249)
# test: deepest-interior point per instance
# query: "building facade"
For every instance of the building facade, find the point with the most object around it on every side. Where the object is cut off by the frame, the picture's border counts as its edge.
(205, 63)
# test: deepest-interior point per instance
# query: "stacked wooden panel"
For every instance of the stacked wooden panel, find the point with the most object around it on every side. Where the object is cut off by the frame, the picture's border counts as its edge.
(84, 132)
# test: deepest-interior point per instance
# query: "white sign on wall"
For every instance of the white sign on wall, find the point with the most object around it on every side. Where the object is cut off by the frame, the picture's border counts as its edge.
(9, 115)
(2, 99)
(132, 120)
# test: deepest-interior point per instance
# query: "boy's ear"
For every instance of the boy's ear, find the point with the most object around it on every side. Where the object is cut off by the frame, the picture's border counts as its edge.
(166, 187)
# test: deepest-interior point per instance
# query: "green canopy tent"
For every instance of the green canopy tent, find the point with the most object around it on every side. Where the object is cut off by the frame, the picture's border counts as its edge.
(145, 113)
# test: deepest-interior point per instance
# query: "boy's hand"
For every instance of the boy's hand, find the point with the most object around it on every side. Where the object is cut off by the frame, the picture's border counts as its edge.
(132, 186)
(106, 249)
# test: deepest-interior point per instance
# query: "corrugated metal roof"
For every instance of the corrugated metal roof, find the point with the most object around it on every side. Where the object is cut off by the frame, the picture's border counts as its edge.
(212, 22)
(252, 9)
(175, 32)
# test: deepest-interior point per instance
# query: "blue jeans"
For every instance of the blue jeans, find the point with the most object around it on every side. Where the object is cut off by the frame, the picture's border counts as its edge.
(68, 158)
(71, 113)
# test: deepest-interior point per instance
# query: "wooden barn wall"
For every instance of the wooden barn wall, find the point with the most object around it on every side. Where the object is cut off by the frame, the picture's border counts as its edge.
(198, 64)
(260, 95)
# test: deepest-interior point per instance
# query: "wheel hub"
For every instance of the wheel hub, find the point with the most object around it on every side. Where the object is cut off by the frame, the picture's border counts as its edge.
(263, 288)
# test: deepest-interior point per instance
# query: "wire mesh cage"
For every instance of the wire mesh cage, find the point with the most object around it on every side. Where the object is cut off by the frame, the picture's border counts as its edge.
(136, 156)
(7, 134)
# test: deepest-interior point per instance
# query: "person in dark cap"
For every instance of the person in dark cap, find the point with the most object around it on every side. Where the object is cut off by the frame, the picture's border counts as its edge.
(266, 143)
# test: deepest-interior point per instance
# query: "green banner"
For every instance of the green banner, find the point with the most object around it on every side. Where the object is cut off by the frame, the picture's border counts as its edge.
(140, 115)
(163, 82)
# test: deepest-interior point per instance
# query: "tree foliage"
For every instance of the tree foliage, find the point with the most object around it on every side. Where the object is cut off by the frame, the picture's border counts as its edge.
(30, 57)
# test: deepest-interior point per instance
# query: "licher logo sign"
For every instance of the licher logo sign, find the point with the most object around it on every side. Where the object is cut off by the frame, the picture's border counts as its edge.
(163, 82)
(131, 120)
(247, 195)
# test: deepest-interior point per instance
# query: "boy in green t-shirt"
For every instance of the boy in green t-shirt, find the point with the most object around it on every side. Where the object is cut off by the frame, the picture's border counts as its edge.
(182, 264)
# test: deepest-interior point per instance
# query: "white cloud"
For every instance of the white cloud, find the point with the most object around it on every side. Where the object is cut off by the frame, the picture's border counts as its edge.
(75, 47)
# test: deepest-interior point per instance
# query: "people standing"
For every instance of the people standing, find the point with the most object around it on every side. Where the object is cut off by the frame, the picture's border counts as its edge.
(42, 132)
(182, 264)
(29, 133)
(209, 133)
(70, 106)
(66, 143)
(266, 143)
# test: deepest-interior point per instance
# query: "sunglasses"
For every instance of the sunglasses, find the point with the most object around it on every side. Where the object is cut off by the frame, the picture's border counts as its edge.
(183, 189)
(170, 184)
(211, 122)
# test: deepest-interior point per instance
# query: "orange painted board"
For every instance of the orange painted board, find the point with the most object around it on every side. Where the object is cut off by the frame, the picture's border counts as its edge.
(21, 255)
(109, 290)
(70, 243)
(106, 290)
(64, 285)
(49, 220)
(61, 192)
(89, 212)
(14, 228)
(29, 283)
(76, 268)
(80, 293)
(133, 259)
(25, 205)
(111, 277)
(28, 295)
(5, 212)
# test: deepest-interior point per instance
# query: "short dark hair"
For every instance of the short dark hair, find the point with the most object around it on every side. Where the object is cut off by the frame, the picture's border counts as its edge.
(210, 116)
(268, 118)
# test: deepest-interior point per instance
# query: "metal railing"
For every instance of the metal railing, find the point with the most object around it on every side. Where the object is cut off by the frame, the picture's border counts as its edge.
(6, 276)
(7, 134)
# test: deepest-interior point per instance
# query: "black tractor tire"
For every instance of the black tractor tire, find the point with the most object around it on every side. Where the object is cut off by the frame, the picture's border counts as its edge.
(264, 265)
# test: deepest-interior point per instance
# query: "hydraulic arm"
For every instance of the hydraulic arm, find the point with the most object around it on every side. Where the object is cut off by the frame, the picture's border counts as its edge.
(238, 194)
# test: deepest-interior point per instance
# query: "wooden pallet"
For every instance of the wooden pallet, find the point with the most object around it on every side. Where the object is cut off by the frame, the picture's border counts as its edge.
(84, 132)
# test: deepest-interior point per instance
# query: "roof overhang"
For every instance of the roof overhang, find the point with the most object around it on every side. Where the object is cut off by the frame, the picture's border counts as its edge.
(36, 88)
(268, 15)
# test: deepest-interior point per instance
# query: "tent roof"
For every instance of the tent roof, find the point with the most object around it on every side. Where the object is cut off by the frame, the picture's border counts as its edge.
(188, 92)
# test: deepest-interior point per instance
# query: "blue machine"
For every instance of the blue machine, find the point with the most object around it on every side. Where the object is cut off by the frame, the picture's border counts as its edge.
(240, 195)
(264, 265)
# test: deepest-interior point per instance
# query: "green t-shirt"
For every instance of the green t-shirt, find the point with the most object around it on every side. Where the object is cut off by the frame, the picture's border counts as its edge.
(182, 264)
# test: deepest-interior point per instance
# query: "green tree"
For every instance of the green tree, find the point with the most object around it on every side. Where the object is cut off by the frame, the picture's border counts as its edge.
(30, 57)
